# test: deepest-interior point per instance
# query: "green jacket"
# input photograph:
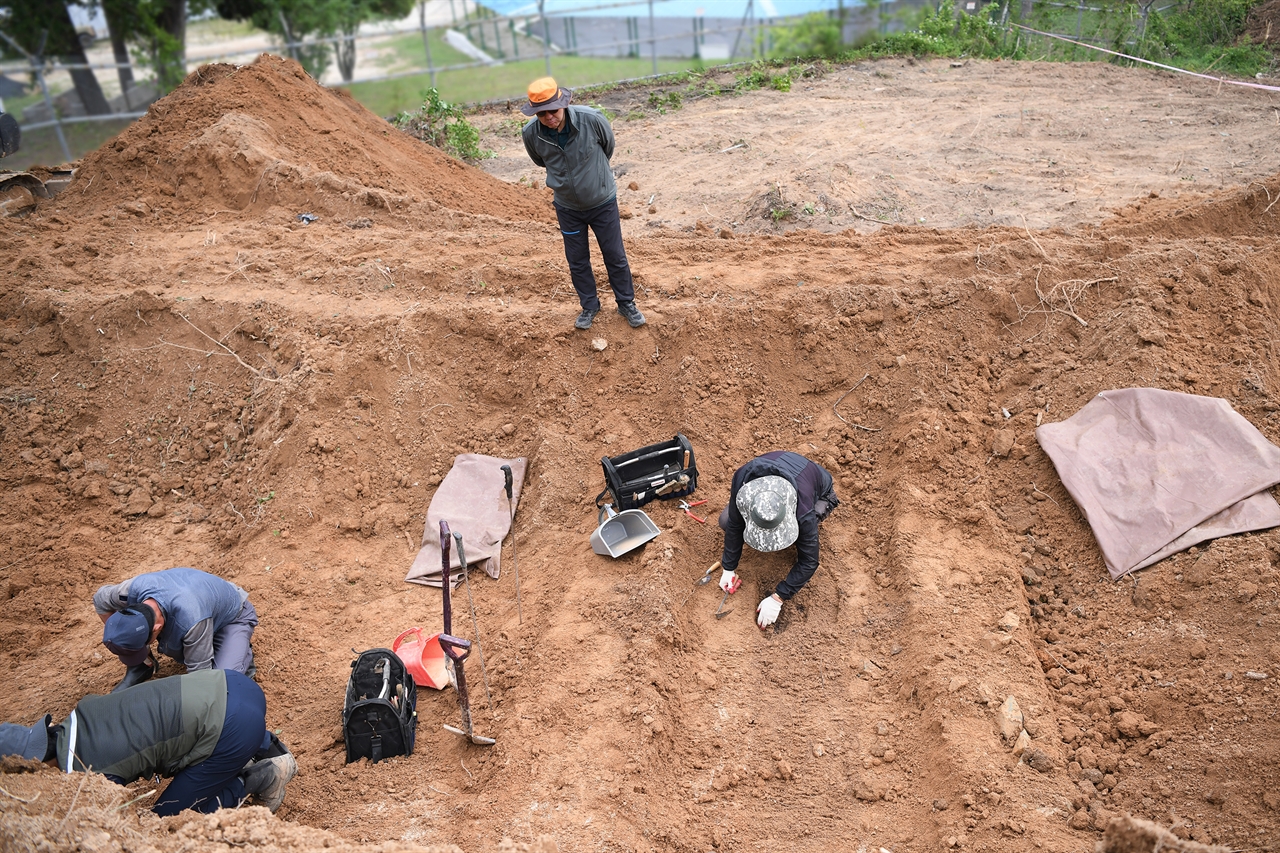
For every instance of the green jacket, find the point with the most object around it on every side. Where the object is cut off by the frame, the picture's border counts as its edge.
(578, 173)
(158, 727)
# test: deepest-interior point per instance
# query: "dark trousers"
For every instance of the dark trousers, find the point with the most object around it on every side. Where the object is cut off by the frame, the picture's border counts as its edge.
(604, 221)
(215, 782)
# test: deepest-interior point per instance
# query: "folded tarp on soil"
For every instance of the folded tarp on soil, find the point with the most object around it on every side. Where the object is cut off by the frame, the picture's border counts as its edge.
(473, 499)
(1155, 472)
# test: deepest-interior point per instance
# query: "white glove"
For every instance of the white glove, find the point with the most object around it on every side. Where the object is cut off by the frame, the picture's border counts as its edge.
(767, 612)
(729, 581)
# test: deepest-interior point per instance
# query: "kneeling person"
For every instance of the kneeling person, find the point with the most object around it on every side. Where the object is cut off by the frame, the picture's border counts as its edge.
(207, 730)
(198, 619)
(777, 499)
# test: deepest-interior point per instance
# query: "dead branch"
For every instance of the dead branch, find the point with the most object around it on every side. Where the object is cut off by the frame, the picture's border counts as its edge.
(846, 394)
(258, 373)
(1033, 239)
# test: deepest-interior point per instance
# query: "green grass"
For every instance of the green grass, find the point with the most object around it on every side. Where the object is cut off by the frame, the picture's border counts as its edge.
(213, 30)
(473, 85)
(41, 148)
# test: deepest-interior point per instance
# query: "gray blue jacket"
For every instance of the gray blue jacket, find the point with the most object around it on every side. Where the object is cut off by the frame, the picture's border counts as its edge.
(578, 173)
(160, 726)
(196, 605)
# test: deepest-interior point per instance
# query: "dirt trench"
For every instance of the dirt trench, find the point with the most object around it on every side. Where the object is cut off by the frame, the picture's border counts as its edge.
(193, 376)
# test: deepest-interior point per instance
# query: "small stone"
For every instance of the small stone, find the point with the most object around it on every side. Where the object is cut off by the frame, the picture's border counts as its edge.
(1021, 744)
(508, 429)
(1009, 622)
(1009, 718)
(598, 344)
(941, 805)
(1038, 760)
(817, 750)
(1002, 443)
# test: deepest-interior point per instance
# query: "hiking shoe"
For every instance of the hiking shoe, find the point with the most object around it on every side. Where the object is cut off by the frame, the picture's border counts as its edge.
(266, 778)
(137, 674)
(632, 314)
(585, 318)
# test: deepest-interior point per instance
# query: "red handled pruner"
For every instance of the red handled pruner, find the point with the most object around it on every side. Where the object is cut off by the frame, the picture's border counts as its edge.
(686, 506)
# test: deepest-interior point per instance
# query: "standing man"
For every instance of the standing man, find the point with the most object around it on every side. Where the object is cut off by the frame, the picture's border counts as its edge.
(206, 729)
(574, 145)
(198, 619)
(776, 499)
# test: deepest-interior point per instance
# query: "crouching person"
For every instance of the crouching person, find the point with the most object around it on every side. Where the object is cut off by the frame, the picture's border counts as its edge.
(207, 730)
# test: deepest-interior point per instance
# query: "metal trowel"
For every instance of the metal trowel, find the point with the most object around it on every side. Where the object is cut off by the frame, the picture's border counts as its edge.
(706, 577)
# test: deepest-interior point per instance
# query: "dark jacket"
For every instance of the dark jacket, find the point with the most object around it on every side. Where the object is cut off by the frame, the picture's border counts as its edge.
(815, 498)
(578, 173)
(161, 726)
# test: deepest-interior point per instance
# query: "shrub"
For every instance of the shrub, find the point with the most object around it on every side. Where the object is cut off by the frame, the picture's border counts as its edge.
(443, 125)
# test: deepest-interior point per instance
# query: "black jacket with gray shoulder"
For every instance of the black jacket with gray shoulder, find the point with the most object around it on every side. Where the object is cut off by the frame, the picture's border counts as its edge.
(578, 173)
(161, 726)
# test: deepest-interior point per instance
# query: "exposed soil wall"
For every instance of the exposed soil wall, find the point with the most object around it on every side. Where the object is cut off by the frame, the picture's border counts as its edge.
(190, 375)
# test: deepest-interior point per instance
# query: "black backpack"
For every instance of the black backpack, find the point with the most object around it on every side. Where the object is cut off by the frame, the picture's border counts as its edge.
(659, 471)
(380, 717)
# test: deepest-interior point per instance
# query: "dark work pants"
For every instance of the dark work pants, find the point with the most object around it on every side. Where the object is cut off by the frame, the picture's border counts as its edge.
(604, 221)
(215, 782)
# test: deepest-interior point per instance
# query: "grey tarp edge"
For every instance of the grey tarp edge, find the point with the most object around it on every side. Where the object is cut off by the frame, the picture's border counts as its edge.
(472, 499)
(1145, 466)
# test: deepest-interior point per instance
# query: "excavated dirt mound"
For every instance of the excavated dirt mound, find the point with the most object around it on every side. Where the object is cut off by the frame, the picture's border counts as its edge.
(189, 375)
(248, 139)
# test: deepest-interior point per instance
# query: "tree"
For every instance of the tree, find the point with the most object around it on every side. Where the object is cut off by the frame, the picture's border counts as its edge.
(293, 21)
(122, 20)
(350, 19)
(296, 20)
(44, 28)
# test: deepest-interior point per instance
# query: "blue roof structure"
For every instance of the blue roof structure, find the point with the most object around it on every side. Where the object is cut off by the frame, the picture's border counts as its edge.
(669, 8)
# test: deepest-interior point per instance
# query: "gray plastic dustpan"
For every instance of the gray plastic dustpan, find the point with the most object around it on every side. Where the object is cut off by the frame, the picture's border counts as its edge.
(622, 531)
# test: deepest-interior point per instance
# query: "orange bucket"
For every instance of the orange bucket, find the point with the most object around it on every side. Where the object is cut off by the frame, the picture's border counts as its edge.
(423, 657)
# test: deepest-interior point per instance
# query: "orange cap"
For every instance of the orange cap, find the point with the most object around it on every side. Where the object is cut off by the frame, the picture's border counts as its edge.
(545, 94)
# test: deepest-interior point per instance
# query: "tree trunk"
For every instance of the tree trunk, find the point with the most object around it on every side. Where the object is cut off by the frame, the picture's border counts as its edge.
(345, 48)
(117, 16)
(174, 22)
(1024, 13)
(86, 83)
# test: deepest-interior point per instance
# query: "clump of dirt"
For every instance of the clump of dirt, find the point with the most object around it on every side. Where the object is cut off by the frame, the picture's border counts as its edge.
(275, 402)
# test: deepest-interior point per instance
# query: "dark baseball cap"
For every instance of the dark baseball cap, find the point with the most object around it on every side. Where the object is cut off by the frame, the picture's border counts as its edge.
(129, 629)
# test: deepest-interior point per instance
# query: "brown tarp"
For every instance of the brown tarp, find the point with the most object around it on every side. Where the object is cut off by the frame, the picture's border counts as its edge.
(473, 501)
(1155, 472)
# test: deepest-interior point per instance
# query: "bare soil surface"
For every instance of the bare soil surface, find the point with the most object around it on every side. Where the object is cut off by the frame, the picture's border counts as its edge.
(896, 268)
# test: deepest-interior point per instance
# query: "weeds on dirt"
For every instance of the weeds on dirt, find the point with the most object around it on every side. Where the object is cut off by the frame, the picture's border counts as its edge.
(443, 125)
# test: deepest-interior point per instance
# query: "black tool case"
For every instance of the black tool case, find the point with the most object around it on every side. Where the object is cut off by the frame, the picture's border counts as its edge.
(663, 471)
(379, 717)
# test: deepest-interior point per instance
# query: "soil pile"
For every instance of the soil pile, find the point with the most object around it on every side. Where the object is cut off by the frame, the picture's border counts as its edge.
(262, 135)
(275, 402)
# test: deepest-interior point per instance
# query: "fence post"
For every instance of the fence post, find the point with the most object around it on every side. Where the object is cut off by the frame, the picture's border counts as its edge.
(653, 40)
(57, 119)
(546, 35)
(426, 41)
(515, 45)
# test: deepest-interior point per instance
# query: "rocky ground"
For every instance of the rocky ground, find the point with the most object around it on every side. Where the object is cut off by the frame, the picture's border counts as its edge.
(190, 375)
